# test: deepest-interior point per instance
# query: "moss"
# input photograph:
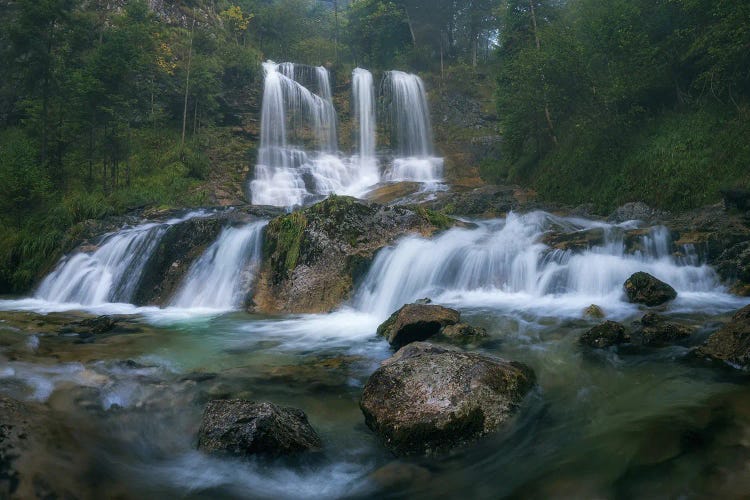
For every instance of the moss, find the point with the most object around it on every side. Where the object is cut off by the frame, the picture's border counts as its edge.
(437, 219)
(284, 242)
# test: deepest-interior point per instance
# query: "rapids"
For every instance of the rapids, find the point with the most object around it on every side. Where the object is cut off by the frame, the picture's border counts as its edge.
(604, 424)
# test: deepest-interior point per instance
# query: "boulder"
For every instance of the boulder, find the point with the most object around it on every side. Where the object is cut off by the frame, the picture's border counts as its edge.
(594, 312)
(635, 211)
(414, 322)
(604, 335)
(730, 344)
(642, 288)
(463, 332)
(577, 241)
(656, 331)
(427, 398)
(244, 428)
(312, 257)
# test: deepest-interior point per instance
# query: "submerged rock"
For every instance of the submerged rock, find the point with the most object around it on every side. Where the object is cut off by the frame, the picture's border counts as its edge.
(604, 335)
(429, 398)
(312, 257)
(243, 428)
(414, 322)
(90, 326)
(656, 331)
(463, 332)
(731, 344)
(642, 288)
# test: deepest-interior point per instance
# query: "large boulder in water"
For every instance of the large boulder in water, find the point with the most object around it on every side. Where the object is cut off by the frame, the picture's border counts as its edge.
(312, 257)
(243, 428)
(642, 288)
(414, 322)
(429, 398)
(731, 344)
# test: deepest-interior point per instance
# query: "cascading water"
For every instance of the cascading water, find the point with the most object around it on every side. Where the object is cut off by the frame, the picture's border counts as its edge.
(111, 273)
(221, 277)
(409, 117)
(504, 263)
(287, 175)
(363, 94)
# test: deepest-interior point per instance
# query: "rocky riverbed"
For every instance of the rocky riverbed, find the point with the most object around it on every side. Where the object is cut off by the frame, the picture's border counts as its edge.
(524, 369)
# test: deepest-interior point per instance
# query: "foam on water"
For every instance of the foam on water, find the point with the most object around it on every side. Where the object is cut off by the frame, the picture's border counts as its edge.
(503, 264)
(221, 277)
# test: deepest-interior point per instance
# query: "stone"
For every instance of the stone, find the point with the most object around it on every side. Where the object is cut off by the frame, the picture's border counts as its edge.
(656, 331)
(414, 322)
(604, 335)
(463, 332)
(90, 326)
(731, 343)
(642, 288)
(428, 399)
(245, 428)
(594, 312)
(312, 257)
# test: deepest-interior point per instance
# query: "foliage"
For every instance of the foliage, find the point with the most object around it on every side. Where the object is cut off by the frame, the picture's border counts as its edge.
(620, 100)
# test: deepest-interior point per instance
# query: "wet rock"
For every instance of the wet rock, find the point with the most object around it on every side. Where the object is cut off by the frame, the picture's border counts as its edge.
(90, 326)
(635, 211)
(594, 312)
(656, 331)
(428, 398)
(731, 344)
(414, 322)
(482, 201)
(575, 241)
(463, 332)
(245, 428)
(642, 288)
(312, 257)
(604, 335)
(29, 436)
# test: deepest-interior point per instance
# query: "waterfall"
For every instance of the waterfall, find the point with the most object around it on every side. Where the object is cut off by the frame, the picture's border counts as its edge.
(409, 117)
(287, 175)
(363, 95)
(111, 273)
(221, 277)
(505, 261)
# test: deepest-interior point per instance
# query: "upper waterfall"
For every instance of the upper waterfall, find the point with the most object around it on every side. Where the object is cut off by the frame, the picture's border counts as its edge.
(298, 158)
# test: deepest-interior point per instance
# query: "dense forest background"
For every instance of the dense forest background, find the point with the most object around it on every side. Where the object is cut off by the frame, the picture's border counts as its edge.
(106, 106)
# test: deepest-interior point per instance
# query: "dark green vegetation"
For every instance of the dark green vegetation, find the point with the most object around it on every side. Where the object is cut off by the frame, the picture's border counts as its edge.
(613, 101)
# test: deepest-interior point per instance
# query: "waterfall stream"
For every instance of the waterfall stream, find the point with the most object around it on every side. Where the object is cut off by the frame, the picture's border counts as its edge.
(219, 279)
(111, 272)
(504, 263)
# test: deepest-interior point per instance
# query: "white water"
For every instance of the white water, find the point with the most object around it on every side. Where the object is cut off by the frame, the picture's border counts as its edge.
(411, 129)
(288, 175)
(502, 264)
(221, 277)
(110, 273)
(363, 95)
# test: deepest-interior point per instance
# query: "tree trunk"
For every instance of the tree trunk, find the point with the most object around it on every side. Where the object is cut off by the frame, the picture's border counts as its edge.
(187, 89)
(547, 114)
(411, 28)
